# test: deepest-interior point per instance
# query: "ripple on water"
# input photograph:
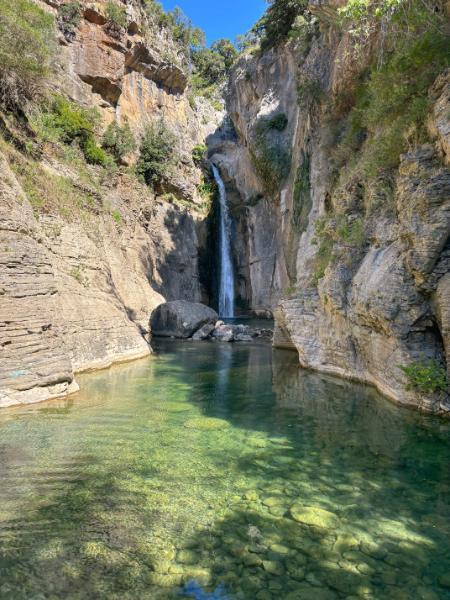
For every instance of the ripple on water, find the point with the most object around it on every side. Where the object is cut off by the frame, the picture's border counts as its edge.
(224, 467)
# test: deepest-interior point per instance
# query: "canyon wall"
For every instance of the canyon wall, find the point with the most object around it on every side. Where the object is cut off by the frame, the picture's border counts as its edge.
(82, 269)
(358, 281)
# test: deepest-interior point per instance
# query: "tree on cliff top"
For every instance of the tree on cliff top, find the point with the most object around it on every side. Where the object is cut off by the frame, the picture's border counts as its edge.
(277, 22)
(26, 39)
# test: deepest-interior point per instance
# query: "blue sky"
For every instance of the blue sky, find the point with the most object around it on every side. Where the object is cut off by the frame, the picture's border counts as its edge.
(220, 18)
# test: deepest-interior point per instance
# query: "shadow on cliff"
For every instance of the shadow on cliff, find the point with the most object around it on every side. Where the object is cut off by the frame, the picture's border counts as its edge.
(180, 273)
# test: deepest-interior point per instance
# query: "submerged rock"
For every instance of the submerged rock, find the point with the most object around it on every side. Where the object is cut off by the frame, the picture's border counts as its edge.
(314, 516)
(273, 567)
(180, 319)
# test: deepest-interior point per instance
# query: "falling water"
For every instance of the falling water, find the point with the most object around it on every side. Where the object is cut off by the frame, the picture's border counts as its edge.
(226, 287)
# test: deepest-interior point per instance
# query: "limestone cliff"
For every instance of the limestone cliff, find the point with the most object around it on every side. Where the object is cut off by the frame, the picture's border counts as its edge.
(358, 279)
(86, 254)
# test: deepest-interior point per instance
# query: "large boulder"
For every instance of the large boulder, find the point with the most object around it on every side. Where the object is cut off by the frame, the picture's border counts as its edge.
(180, 319)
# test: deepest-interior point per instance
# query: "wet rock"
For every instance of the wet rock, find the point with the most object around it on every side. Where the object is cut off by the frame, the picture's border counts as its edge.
(264, 595)
(162, 566)
(277, 511)
(373, 549)
(346, 582)
(345, 542)
(187, 557)
(251, 495)
(309, 592)
(314, 516)
(180, 319)
(201, 576)
(295, 571)
(203, 333)
(236, 333)
(444, 580)
(275, 586)
(424, 593)
(279, 549)
(257, 442)
(164, 581)
(273, 567)
(273, 501)
(252, 560)
(176, 569)
(241, 337)
(223, 333)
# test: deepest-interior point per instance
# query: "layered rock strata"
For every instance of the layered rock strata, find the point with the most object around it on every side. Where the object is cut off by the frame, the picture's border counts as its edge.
(78, 283)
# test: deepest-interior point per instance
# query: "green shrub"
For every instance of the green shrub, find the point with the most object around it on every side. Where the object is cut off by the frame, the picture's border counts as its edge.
(278, 122)
(157, 154)
(26, 44)
(207, 189)
(199, 154)
(392, 103)
(209, 67)
(309, 92)
(253, 200)
(93, 154)
(290, 290)
(116, 215)
(77, 274)
(277, 22)
(67, 122)
(270, 157)
(324, 239)
(116, 15)
(70, 15)
(119, 141)
(337, 238)
(272, 163)
(427, 377)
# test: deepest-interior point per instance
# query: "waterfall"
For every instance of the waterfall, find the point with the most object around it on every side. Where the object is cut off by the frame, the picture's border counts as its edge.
(226, 286)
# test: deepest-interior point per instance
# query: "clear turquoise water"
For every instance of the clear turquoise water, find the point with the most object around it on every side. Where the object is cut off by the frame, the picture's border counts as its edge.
(220, 464)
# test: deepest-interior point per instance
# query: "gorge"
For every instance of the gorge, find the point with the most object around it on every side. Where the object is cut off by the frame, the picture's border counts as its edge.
(300, 183)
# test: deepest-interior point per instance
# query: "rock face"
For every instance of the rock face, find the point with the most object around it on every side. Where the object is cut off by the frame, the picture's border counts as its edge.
(34, 364)
(78, 280)
(181, 319)
(380, 301)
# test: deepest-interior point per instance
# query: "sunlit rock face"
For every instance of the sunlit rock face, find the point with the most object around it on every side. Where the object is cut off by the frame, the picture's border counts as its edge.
(376, 305)
(77, 288)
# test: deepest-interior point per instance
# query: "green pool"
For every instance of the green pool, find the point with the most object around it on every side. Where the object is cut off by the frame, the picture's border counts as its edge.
(223, 464)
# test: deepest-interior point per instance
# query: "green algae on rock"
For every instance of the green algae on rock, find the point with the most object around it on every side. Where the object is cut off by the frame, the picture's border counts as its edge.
(206, 423)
